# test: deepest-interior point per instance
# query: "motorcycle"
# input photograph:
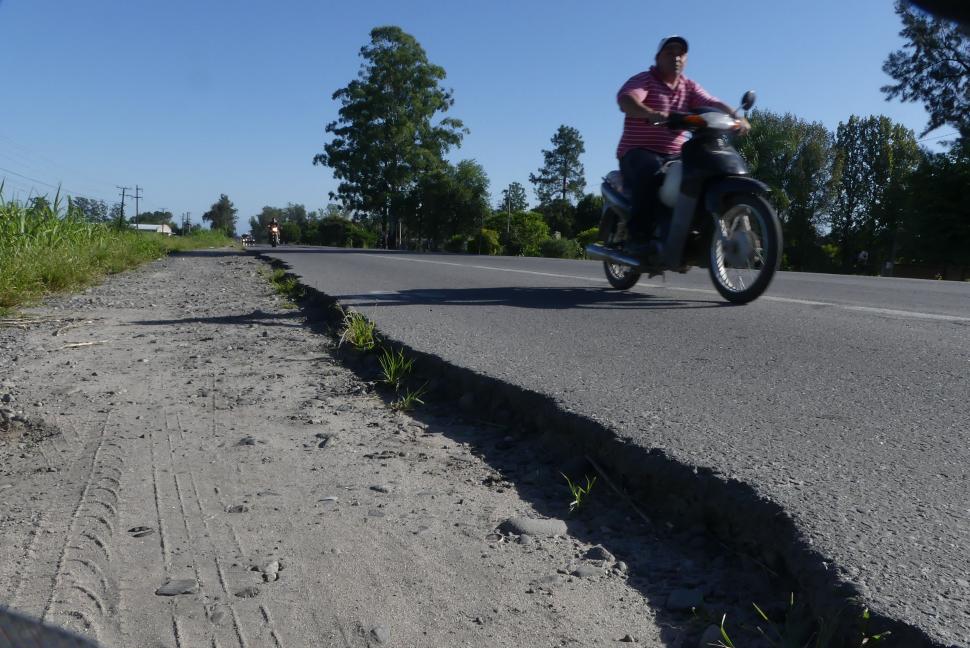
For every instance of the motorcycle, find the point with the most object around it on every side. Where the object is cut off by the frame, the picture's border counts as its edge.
(711, 212)
(274, 235)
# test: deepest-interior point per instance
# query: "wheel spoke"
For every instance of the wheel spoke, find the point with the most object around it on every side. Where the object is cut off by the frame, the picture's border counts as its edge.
(737, 253)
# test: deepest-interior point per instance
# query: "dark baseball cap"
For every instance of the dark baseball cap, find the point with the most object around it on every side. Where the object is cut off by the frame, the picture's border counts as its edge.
(672, 39)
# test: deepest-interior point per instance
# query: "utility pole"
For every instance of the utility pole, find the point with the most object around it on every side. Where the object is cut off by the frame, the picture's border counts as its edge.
(508, 209)
(121, 218)
(137, 196)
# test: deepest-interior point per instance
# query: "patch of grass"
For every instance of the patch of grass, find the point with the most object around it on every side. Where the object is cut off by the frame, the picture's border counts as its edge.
(800, 630)
(407, 402)
(395, 367)
(286, 285)
(358, 331)
(725, 641)
(579, 492)
(48, 247)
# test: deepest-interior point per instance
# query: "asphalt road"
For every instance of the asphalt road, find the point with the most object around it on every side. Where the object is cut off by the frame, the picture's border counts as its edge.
(845, 399)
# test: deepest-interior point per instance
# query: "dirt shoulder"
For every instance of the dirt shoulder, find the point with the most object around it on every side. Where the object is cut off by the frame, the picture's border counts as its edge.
(185, 462)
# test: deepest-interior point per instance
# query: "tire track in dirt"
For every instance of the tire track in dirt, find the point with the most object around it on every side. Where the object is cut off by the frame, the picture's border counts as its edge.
(41, 547)
(205, 551)
(216, 538)
(82, 599)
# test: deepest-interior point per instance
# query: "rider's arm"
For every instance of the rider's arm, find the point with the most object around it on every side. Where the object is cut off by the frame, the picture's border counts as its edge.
(632, 96)
(636, 108)
(699, 97)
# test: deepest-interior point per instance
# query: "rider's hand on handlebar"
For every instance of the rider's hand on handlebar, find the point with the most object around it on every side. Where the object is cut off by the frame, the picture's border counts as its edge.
(743, 126)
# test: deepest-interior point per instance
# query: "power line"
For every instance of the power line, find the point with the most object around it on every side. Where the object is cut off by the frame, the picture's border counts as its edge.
(32, 158)
(47, 184)
(926, 139)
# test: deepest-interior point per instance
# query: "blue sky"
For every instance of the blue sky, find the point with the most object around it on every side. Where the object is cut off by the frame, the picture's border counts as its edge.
(191, 99)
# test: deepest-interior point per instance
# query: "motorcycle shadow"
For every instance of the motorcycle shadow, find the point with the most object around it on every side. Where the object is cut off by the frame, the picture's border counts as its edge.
(544, 298)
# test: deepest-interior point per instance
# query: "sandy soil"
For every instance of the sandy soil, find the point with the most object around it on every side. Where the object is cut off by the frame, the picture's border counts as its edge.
(185, 462)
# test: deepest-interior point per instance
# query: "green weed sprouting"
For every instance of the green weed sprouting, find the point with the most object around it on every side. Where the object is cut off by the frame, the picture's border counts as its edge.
(358, 331)
(726, 640)
(579, 492)
(396, 367)
(800, 629)
(287, 286)
(407, 402)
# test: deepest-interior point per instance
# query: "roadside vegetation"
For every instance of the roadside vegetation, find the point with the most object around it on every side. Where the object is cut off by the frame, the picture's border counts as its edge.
(49, 246)
(287, 286)
(396, 367)
(799, 629)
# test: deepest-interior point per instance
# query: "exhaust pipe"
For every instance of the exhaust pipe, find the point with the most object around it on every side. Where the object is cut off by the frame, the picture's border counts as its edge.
(599, 253)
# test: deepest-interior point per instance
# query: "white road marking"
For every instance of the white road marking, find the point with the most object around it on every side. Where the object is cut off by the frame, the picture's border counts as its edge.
(787, 300)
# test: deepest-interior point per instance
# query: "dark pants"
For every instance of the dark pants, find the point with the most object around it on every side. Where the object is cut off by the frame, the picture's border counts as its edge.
(639, 168)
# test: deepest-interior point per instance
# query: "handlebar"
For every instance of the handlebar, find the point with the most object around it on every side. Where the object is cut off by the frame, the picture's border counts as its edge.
(714, 120)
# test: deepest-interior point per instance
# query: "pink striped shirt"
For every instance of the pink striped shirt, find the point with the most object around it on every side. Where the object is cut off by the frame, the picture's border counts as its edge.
(648, 88)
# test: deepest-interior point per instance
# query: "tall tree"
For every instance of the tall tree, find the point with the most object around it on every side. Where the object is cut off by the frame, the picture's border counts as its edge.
(116, 215)
(90, 209)
(451, 200)
(513, 199)
(589, 210)
(562, 174)
(222, 216)
(936, 229)
(259, 223)
(157, 217)
(932, 68)
(793, 157)
(560, 178)
(873, 159)
(386, 135)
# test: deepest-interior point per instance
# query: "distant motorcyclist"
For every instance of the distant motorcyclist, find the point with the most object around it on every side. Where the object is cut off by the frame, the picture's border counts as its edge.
(274, 231)
(647, 99)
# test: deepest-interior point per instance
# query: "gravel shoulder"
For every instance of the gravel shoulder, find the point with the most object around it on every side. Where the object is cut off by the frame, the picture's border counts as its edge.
(184, 461)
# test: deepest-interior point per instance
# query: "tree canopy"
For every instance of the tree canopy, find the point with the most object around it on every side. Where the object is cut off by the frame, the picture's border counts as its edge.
(93, 210)
(932, 68)
(874, 159)
(513, 198)
(793, 157)
(386, 135)
(562, 174)
(222, 216)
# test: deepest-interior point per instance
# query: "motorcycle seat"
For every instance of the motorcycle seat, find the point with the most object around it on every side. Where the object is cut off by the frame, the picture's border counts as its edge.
(615, 178)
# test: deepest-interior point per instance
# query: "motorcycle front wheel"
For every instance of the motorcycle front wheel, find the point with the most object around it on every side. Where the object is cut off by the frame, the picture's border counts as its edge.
(621, 277)
(745, 248)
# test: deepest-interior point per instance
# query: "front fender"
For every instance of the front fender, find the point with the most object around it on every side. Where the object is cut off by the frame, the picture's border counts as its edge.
(717, 191)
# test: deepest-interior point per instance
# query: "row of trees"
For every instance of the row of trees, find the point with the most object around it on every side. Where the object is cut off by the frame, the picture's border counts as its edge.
(221, 216)
(868, 186)
(388, 155)
(860, 189)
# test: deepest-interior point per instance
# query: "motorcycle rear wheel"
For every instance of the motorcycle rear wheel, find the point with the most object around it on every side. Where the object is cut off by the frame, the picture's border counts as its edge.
(745, 248)
(621, 277)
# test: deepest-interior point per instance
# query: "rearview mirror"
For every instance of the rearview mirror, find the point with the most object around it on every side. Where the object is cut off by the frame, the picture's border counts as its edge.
(748, 99)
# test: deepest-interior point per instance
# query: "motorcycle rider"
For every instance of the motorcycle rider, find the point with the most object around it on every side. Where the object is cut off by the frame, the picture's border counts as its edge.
(269, 228)
(647, 99)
